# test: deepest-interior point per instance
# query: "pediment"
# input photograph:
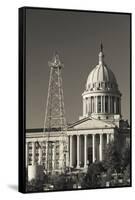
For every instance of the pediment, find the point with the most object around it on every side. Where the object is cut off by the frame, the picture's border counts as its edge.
(90, 123)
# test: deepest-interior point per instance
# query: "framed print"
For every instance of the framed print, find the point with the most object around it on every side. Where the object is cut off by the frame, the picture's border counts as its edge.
(74, 100)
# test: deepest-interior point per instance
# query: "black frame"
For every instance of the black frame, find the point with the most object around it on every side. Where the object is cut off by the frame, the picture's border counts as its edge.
(22, 96)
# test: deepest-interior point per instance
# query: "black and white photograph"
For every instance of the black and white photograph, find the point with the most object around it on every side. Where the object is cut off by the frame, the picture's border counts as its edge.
(76, 91)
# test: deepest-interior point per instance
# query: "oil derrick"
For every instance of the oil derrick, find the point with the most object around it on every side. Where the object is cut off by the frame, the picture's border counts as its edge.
(55, 121)
(55, 113)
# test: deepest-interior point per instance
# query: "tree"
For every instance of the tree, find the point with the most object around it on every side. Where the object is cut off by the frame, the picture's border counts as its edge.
(125, 158)
(93, 176)
(114, 169)
(117, 163)
(126, 175)
(34, 185)
(62, 182)
(112, 160)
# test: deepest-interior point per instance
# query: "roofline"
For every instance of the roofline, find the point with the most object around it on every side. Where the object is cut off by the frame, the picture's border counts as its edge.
(36, 130)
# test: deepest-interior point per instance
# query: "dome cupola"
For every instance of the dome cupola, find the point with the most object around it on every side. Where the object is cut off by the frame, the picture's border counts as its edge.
(101, 77)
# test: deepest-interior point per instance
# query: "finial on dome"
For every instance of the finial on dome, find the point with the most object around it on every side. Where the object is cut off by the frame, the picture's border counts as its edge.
(101, 55)
(101, 47)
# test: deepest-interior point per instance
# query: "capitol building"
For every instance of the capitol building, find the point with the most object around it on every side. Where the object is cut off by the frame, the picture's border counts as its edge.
(83, 142)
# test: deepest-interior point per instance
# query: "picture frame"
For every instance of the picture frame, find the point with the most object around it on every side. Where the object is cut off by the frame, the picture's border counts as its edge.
(57, 151)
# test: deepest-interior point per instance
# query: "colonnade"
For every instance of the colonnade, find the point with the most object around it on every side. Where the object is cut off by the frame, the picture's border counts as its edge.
(78, 150)
(101, 104)
(85, 148)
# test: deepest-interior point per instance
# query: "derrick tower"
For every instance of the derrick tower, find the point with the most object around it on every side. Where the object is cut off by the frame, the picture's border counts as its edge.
(55, 112)
(55, 122)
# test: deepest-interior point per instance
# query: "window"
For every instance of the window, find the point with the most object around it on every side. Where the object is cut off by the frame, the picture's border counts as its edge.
(106, 104)
(117, 106)
(102, 84)
(92, 104)
(112, 104)
(99, 104)
(57, 165)
(57, 148)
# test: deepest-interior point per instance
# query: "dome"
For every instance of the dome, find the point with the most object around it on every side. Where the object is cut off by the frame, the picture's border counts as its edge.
(101, 77)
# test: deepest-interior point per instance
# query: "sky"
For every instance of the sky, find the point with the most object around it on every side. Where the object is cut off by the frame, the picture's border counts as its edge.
(76, 36)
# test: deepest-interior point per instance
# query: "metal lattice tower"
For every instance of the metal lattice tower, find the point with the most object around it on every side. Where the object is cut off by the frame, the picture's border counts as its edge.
(55, 112)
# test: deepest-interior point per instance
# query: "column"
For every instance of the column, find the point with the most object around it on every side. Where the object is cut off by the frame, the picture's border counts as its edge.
(68, 152)
(40, 154)
(27, 154)
(107, 140)
(71, 148)
(96, 104)
(85, 151)
(112, 137)
(90, 104)
(78, 151)
(93, 148)
(61, 155)
(53, 156)
(103, 104)
(86, 107)
(101, 148)
(47, 154)
(33, 153)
